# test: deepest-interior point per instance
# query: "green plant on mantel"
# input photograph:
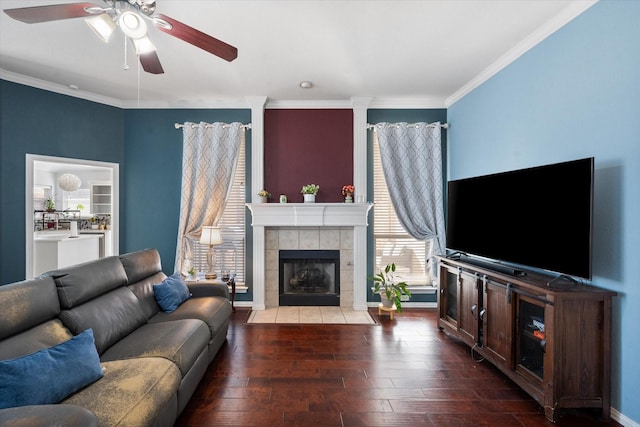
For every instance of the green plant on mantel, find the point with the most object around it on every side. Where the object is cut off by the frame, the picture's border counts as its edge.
(310, 189)
(384, 284)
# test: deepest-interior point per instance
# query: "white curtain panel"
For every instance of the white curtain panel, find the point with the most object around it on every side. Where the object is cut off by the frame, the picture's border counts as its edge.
(209, 158)
(411, 156)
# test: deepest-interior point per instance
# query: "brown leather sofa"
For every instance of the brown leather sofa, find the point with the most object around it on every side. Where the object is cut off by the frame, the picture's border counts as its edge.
(152, 360)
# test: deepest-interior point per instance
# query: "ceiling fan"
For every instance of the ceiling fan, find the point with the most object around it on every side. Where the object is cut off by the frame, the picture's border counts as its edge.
(130, 16)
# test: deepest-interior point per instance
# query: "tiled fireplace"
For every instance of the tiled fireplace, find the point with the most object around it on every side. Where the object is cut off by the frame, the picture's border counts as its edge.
(302, 240)
(309, 226)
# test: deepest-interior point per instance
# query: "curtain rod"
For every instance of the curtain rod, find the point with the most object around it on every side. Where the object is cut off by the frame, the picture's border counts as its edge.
(442, 125)
(193, 126)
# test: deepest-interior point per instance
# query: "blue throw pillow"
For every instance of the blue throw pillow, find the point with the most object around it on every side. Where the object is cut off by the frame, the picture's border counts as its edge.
(171, 293)
(48, 376)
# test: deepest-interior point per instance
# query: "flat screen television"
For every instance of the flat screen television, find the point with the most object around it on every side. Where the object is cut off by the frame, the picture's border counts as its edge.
(538, 217)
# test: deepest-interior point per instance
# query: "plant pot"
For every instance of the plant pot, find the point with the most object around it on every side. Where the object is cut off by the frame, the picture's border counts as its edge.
(263, 199)
(309, 198)
(348, 199)
(386, 303)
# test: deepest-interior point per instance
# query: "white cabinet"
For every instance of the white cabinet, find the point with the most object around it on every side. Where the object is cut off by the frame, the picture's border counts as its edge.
(59, 250)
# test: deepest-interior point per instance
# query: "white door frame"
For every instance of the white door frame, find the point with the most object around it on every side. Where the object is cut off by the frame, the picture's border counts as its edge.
(29, 182)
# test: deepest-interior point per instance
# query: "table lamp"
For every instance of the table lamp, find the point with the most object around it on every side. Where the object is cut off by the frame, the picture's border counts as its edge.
(210, 236)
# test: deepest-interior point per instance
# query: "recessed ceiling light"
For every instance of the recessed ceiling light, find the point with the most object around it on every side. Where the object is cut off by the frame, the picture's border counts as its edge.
(306, 84)
(74, 87)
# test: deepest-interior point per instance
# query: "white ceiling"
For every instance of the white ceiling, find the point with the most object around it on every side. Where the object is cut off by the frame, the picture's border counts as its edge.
(402, 53)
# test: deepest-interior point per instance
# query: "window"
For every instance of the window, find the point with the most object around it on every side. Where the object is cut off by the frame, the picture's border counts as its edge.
(230, 255)
(80, 197)
(392, 244)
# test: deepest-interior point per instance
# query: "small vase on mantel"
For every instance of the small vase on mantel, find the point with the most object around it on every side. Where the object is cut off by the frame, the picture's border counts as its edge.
(348, 199)
(263, 199)
(309, 198)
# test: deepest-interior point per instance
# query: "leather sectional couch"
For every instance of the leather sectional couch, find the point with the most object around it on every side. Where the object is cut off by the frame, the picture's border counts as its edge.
(151, 360)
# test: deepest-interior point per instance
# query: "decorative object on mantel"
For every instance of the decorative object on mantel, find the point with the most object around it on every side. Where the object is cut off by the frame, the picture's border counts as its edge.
(347, 192)
(264, 195)
(283, 198)
(384, 284)
(210, 236)
(309, 192)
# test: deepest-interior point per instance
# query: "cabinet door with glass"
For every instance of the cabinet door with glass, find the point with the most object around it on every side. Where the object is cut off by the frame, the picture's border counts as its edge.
(531, 339)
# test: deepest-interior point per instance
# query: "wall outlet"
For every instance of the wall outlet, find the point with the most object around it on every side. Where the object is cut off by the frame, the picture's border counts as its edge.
(404, 297)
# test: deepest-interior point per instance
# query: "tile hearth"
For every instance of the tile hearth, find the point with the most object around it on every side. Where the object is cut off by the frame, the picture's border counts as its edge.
(311, 314)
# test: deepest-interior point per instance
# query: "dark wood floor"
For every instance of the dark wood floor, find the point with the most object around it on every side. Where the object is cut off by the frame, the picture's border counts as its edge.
(398, 373)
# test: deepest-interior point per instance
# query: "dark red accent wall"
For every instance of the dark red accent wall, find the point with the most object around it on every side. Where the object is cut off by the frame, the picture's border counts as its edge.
(308, 147)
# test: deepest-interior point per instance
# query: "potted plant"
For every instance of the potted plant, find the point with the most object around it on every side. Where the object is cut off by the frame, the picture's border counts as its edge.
(94, 222)
(264, 195)
(191, 274)
(390, 291)
(309, 192)
(347, 192)
(50, 205)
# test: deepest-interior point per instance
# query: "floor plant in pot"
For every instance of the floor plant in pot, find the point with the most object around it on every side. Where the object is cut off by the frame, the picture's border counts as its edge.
(391, 290)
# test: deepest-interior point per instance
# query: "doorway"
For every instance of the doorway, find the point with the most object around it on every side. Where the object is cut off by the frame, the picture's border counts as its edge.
(41, 172)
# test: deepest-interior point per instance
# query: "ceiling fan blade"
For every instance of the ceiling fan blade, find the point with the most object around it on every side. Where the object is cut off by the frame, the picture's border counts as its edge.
(36, 14)
(151, 63)
(196, 38)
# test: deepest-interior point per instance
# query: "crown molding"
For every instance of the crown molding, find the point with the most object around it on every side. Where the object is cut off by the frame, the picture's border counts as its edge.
(560, 20)
(58, 88)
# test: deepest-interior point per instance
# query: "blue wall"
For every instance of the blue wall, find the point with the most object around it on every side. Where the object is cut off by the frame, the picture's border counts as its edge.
(35, 121)
(153, 174)
(576, 94)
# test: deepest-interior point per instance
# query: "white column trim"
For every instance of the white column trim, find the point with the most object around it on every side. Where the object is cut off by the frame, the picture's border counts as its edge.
(257, 104)
(360, 106)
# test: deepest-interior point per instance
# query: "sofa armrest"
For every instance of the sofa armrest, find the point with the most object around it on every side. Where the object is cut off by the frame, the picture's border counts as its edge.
(199, 290)
(48, 415)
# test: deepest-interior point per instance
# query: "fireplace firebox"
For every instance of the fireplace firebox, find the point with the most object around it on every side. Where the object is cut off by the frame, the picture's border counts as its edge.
(309, 277)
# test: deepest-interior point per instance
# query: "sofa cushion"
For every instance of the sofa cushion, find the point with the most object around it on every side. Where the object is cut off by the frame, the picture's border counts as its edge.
(64, 368)
(39, 337)
(171, 292)
(48, 415)
(27, 304)
(112, 316)
(180, 341)
(83, 282)
(134, 392)
(141, 264)
(143, 289)
(214, 311)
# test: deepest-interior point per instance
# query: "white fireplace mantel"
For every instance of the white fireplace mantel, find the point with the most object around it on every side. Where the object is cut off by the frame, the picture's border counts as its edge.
(311, 215)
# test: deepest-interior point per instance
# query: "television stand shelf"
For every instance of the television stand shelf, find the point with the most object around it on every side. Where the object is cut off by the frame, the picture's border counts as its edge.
(552, 340)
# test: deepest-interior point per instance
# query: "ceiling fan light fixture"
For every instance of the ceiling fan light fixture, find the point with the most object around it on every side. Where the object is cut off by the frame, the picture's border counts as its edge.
(102, 25)
(132, 24)
(143, 45)
(162, 23)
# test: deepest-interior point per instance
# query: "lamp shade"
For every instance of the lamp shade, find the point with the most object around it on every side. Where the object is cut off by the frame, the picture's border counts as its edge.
(102, 25)
(210, 235)
(69, 182)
